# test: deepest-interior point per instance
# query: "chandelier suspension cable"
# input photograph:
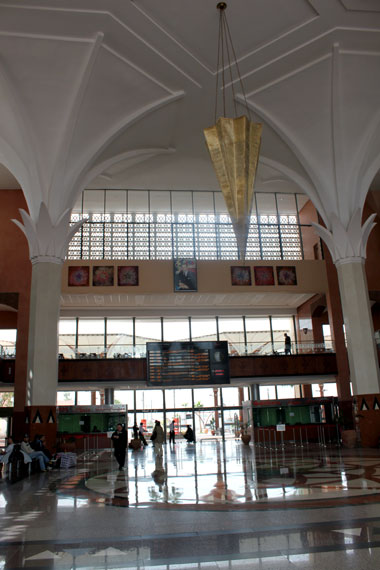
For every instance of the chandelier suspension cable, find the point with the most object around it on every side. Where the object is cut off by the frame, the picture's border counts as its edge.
(237, 69)
(217, 73)
(225, 25)
(224, 58)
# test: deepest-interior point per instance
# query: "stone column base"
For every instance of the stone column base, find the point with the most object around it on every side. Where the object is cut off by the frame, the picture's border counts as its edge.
(42, 420)
(367, 410)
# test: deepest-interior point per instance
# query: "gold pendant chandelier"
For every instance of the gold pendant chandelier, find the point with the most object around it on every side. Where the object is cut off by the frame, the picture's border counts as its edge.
(233, 143)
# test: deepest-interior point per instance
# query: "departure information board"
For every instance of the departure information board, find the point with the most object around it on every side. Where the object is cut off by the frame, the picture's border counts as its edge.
(187, 363)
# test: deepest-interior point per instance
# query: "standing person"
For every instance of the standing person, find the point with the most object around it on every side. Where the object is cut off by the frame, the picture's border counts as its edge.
(135, 431)
(172, 432)
(27, 448)
(288, 344)
(142, 430)
(120, 440)
(158, 437)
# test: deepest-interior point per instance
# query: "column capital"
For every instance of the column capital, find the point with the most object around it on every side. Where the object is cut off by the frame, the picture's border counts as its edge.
(347, 243)
(346, 260)
(48, 241)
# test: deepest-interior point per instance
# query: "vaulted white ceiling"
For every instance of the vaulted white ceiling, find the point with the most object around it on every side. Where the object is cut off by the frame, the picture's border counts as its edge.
(115, 93)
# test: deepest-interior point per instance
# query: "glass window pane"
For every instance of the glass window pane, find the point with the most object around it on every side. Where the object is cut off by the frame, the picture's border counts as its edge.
(116, 201)
(232, 330)
(231, 397)
(93, 201)
(119, 338)
(67, 326)
(324, 390)
(203, 202)
(203, 329)
(286, 204)
(138, 201)
(258, 335)
(232, 425)
(125, 397)
(176, 330)
(148, 418)
(266, 206)
(149, 400)
(91, 336)
(66, 398)
(220, 205)
(206, 397)
(182, 203)
(281, 327)
(284, 391)
(84, 398)
(159, 202)
(147, 330)
(178, 398)
(8, 339)
(267, 392)
(327, 337)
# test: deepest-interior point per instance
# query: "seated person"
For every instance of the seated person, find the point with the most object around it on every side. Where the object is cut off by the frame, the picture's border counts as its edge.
(189, 435)
(27, 448)
(38, 444)
(5, 457)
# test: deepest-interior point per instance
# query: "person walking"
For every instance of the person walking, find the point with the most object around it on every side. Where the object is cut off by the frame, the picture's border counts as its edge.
(172, 432)
(142, 430)
(158, 437)
(120, 440)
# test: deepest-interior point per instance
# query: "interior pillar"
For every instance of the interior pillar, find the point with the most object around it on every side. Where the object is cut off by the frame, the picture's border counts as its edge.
(361, 346)
(42, 374)
(335, 314)
(362, 350)
(109, 396)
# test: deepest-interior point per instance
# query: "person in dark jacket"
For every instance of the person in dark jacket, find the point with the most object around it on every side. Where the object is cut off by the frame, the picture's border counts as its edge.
(189, 435)
(38, 444)
(120, 441)
(288, 344)
(135, 431)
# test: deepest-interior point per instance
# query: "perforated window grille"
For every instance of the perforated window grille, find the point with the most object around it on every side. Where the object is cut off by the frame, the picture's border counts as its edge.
(168, 235)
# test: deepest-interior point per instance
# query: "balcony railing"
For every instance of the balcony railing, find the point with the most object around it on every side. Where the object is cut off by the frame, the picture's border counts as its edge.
(235, 349)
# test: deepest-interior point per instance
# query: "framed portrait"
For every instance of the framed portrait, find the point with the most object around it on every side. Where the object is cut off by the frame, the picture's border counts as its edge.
(79, 276)
(185, 275)
(102, 275)
(264, 275)
(240, 275)
(286, 275)
(128, 275)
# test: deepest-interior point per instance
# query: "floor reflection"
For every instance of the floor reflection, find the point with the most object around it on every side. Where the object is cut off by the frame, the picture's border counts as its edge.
(216, 473)
(67, 519)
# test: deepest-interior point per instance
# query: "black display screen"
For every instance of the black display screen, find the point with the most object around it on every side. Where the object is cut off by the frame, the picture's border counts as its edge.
(187, 363)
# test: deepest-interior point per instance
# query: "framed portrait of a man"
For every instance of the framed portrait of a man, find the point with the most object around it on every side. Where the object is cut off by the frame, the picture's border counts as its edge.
(185, 275)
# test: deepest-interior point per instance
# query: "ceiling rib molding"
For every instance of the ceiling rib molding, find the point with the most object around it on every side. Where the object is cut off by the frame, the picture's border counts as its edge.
(173, 39)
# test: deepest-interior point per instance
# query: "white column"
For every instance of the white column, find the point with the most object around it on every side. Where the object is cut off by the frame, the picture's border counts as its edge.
(43, 333)
(361, 346)
(347, 244)
(48, 241)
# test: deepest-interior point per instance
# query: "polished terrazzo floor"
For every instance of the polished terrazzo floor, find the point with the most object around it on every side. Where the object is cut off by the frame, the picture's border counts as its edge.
(209, 505)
